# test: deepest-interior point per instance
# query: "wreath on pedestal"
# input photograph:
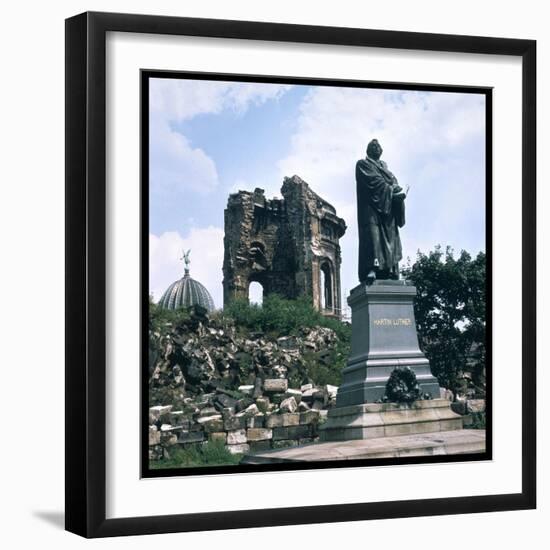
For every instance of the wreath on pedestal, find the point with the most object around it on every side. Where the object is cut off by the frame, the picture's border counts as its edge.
(402, 386)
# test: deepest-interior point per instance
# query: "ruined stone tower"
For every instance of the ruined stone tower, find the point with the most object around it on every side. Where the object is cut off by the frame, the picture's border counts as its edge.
(290, 246)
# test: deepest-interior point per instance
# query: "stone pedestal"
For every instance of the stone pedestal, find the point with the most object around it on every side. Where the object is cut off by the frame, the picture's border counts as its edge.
(383, 337)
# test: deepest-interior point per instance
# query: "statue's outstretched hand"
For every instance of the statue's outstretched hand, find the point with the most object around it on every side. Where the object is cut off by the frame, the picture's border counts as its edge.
(401, 194)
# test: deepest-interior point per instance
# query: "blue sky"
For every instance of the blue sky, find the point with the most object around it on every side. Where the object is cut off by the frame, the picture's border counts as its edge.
(209, 139)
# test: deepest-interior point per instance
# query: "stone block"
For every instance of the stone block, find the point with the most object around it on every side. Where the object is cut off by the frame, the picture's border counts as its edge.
(191, 437)
(195, 427)
(208, 411)
(289, 405)
(259, 434)
(290, 419)
(258, 385)
(236, 437)
(247, 390)
(168, 428)
(251, 410)
(283, 444)
(309, 417)
(319, 394)
(255, 421)
(258, 446)
(234, 423)
(263, 404)
(159, 411)
(307, 395)
(282, 420)
(299, 432)
(273, 420)
(205, 419)
(225, 401)
(154, 436)
(280, 433)
(241, 448)
(275, 385)
(212, 423)
(297, 394)
(306, 387)
(243, 403)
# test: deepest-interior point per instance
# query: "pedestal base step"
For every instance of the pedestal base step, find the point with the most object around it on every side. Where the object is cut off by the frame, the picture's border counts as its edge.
(374, 420)
(439, 443)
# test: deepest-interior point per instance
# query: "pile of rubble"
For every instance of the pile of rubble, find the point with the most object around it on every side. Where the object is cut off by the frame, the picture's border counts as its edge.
(251, 391)
(277, 417)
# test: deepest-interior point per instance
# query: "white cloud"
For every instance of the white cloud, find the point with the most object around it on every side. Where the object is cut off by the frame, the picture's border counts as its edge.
(336, 124)
(165, 266)
(179, 100)
(175, 165)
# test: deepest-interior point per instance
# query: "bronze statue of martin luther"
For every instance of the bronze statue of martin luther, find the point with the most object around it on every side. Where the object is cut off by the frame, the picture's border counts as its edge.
(380, 214)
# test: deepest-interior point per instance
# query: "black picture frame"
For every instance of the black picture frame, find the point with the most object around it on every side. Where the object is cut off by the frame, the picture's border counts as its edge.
(86, 273)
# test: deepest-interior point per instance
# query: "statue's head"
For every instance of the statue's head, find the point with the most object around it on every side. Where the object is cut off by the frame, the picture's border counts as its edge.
(374, 150)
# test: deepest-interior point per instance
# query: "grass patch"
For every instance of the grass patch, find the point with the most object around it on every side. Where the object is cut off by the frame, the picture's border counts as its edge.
(212, 453)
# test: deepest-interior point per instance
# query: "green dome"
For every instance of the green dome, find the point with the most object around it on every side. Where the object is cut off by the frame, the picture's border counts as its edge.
(186, 292)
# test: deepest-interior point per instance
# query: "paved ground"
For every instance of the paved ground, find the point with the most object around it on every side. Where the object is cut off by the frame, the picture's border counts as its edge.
(438, 443)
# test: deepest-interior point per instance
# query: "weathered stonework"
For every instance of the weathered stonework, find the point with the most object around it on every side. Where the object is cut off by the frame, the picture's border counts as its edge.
(290, 246)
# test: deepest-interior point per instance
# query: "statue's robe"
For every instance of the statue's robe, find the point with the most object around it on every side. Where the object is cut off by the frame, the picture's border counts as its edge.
(379, 216)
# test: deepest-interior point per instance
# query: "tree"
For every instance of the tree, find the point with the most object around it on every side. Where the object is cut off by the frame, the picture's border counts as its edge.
(450, 310)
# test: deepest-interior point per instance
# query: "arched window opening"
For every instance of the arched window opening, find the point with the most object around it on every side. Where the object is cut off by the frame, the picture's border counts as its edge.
(326, 287)
(255, 293)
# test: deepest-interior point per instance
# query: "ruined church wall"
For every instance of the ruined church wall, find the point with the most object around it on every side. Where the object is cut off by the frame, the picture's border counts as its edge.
(282, 243)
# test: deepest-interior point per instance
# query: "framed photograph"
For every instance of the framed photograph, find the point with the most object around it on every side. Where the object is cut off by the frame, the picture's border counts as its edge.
(297, 257)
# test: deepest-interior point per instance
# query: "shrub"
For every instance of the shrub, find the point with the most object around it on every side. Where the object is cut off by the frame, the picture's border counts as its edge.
(280, 316)
(450, 311)
(478, 421)
(160, 317)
